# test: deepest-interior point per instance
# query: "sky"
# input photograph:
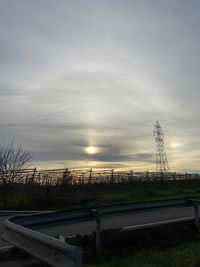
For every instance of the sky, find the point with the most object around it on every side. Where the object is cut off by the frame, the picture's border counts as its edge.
(82, 83)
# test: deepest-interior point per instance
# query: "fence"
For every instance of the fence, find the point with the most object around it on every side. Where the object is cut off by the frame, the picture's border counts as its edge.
(90, 176)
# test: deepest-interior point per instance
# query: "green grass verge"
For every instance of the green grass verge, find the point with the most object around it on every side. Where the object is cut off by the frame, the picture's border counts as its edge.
(184, 255)
(126, 200)
(94, 195)
(20, 202)
(146, 247)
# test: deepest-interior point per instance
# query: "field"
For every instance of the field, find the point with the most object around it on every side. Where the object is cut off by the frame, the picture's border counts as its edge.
(63, 194)
(171, 247)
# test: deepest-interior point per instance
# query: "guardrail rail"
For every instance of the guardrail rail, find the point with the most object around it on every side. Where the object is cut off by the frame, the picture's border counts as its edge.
(50, 250)
(57, 252)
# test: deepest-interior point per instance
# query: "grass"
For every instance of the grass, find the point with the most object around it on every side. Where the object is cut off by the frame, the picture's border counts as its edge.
(165, 246)
(18, 202)
(184, 255)
(175, 245)
(94, 195)
(127, 200)
(112, 194)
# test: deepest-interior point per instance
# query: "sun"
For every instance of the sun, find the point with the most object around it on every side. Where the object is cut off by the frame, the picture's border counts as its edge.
(91, 150)
(174, 145)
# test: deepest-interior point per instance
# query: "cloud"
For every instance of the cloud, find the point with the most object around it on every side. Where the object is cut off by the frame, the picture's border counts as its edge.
(100, 73)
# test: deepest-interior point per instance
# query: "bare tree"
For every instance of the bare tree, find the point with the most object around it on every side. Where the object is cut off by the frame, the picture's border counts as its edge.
(67, 177)
(12, 160)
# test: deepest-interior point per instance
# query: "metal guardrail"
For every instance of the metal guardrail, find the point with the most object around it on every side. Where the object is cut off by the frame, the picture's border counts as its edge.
(85, 214)
(22, 212)
(56, 252)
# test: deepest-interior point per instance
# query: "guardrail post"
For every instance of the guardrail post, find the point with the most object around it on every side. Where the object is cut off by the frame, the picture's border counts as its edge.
(195, 204)
(97, 215)
(196, 212)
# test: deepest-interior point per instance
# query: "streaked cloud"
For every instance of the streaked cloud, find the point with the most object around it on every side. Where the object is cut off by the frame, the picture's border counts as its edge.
(100, 73)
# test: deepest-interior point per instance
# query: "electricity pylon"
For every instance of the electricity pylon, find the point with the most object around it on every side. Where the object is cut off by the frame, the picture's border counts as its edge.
(161, 157)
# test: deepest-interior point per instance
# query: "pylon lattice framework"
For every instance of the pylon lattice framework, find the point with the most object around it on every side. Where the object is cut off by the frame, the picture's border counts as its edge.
(161, 157)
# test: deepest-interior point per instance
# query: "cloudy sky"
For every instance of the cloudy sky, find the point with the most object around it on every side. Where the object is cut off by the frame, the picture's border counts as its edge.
(83, 82)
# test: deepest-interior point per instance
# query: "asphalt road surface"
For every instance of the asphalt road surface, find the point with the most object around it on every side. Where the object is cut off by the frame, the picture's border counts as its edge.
(126, 220)
(136, 219)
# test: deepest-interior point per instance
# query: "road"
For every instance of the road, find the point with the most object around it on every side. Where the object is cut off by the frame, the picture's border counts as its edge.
(81, 222)
(125, 220)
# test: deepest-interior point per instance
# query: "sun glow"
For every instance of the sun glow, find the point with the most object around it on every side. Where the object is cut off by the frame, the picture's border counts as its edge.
(174, 145)
(91, 150)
